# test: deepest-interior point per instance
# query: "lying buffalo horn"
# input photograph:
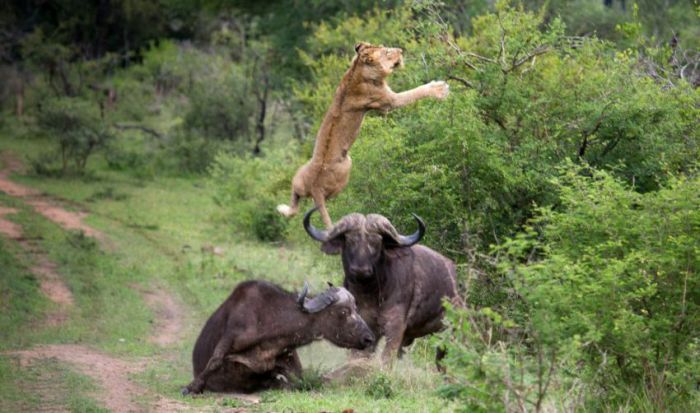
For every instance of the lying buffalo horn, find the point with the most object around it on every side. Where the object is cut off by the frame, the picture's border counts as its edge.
(321, 301)
(314, 232)
(302, 295)
(408, 240)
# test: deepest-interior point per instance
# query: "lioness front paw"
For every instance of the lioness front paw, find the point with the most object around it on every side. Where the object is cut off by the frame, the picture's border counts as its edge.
(439, 89)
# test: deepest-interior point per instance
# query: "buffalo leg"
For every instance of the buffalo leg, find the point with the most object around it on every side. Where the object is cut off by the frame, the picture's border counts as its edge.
(394, 328)
(215, 362)
(286, 366)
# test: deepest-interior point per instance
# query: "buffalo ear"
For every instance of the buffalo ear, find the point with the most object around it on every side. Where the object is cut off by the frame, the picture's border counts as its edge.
(332, 246)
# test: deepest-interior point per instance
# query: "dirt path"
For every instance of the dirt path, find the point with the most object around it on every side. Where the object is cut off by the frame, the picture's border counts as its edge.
(118, 393)
(169, 314)
(44, 269)
(111, 374)
(42, 204)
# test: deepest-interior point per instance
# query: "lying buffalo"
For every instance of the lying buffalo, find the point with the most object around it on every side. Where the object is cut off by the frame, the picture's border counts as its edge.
(250, 341)
(398, 285)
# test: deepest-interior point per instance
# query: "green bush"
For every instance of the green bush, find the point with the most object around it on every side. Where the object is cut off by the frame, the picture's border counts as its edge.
(220, 107)
(267, 223)
(524, 99)
(248, 188)
(605, 286)
(380, 386)
(78, 128)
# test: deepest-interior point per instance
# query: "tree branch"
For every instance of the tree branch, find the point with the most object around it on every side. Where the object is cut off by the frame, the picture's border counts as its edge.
(142, 128)
(462, 81)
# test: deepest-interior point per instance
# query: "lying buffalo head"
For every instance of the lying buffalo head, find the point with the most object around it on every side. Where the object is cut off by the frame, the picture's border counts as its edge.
(362, 240)
(337, 319)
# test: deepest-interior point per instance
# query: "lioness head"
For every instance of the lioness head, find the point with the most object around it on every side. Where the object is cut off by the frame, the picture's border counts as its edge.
(378, 61)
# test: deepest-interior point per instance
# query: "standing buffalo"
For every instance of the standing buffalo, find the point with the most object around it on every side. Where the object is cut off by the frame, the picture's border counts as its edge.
(398, 285)
(250, 341)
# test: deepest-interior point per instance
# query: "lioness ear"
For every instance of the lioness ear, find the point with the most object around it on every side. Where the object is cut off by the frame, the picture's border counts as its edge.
(359, 46)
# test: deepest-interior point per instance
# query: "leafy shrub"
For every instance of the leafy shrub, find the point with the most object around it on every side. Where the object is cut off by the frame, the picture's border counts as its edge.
(524, 99)
(192, 152)
(220, 108)
(267, 223)
(380, 386)
(311, 379)
(77, 126)
(249, 187)
(605, 287)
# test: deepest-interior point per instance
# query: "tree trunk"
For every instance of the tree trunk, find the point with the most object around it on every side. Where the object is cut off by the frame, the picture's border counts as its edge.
(262, 101)
(19, 98)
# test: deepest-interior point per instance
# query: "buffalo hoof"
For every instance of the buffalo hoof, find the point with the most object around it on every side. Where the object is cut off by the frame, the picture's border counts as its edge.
(185, 391)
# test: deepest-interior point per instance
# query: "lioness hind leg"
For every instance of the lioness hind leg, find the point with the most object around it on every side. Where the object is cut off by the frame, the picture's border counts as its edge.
(320, 202)
(292, 209)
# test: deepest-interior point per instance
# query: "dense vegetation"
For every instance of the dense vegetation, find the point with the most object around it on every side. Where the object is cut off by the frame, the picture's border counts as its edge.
(561, 173)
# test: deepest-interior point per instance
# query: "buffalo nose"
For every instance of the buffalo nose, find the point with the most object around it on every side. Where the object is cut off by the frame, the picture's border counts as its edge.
(361, 269)
(368, 340)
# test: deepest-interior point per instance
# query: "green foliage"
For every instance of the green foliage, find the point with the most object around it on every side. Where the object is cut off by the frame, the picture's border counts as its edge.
(267, 223)
(311, 380)
(524, 99)
(605, 288)
(619, 272)
(560, 174)
(380, 386)
(249, 188)
(77, 127)
(221, 107)
(22, 302)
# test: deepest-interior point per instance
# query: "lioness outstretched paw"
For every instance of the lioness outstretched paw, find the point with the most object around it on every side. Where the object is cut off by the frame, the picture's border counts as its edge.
(439, 89)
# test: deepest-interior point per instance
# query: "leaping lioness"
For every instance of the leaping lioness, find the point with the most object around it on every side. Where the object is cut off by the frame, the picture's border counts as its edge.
(363, 88)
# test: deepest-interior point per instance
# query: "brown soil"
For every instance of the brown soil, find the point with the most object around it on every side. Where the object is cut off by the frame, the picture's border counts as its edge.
(169, 317)
(118, 392)
(9, 228)
(44, 269)
(41, 203)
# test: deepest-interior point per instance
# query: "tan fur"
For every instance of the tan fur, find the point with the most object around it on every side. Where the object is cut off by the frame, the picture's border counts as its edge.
(362, 88)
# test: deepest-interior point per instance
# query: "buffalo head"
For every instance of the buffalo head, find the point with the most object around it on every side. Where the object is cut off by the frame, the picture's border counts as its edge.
(337, 319)
(362, 240)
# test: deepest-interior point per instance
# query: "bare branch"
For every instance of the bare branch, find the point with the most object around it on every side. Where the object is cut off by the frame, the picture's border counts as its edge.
(152, 132)
(462, 81)
(539, 50)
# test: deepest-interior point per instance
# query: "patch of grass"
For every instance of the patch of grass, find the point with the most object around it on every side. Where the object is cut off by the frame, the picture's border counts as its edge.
(380, 386)
(21, 302)
(107, 193)
(311, 380)
(16, 395)
(47, 385)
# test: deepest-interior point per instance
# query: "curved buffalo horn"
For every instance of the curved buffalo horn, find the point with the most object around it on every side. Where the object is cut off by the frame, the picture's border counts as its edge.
(315, 233)
(302, 295)
(408, 240)
(321, 301)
